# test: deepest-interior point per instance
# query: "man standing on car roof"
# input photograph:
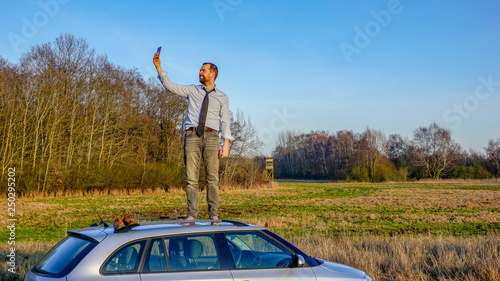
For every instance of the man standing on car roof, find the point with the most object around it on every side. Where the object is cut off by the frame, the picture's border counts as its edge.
(207, 113)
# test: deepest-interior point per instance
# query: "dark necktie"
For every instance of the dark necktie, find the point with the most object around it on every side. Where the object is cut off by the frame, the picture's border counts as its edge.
(203, 115)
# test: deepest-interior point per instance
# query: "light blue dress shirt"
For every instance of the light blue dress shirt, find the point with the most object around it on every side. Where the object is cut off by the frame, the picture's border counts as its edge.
(218, 105)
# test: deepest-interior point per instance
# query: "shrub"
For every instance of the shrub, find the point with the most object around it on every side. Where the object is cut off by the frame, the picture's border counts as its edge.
(474, 171)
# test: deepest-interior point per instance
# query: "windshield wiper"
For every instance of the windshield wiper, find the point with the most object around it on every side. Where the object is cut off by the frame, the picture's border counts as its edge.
(39, 270)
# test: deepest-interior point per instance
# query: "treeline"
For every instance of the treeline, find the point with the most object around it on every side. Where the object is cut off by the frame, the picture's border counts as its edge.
(71, 119)
(372, 156)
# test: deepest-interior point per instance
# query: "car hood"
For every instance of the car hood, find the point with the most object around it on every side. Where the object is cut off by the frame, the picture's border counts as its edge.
(327, 270)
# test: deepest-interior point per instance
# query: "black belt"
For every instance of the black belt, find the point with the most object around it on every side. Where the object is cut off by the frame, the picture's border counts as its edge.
(207, 129)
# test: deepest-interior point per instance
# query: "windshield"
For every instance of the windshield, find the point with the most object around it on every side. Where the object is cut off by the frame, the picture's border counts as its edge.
(63, 257)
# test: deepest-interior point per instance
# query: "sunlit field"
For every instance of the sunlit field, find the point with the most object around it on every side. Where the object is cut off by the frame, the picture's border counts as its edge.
(392, 231)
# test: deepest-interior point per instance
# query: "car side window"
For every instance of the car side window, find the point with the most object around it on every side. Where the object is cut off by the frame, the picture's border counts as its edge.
(125, 260)
(256, 250)
(155, 257)
(196, 252)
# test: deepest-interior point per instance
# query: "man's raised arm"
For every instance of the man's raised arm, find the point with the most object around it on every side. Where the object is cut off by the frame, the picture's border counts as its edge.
(181, 90)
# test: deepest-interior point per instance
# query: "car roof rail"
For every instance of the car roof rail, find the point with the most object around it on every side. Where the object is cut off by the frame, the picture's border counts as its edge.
(172, 220)
(140, 218)
(235, 223)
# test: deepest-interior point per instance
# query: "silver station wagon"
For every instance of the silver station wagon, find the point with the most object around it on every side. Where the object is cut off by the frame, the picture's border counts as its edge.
(161, 248)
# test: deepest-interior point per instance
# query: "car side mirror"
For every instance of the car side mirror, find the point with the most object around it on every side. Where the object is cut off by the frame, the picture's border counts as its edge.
(299, 261)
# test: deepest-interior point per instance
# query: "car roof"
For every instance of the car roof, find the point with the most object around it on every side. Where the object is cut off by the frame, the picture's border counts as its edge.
(155, 226)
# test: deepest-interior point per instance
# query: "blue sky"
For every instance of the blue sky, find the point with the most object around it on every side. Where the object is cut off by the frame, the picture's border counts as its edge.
(301, 65)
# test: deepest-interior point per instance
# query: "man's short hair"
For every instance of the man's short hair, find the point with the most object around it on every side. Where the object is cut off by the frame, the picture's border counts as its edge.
(213, 68)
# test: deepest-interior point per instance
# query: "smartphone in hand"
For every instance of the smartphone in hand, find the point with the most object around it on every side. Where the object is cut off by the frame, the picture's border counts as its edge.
(159, 50)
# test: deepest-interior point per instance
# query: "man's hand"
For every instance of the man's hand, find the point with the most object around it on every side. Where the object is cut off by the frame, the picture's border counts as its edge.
(225, 149)
(157, 63)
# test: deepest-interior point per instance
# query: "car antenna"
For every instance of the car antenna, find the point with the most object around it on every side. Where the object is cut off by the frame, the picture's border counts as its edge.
(95, 210)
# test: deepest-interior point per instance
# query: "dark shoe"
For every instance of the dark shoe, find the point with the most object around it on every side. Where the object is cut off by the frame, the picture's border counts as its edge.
(118, 224)
(128, 221)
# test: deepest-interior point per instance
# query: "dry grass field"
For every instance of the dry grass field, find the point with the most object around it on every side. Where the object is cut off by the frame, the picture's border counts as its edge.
(392, 231)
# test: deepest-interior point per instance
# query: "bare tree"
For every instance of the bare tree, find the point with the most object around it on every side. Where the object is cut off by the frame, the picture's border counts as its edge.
(167, 112)
(435, 150)
(317, 150)
(342, 153)
(286, 154)
(9, 114)
(398, 150)
(242, 149)
(377, 149)
(493, 151)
